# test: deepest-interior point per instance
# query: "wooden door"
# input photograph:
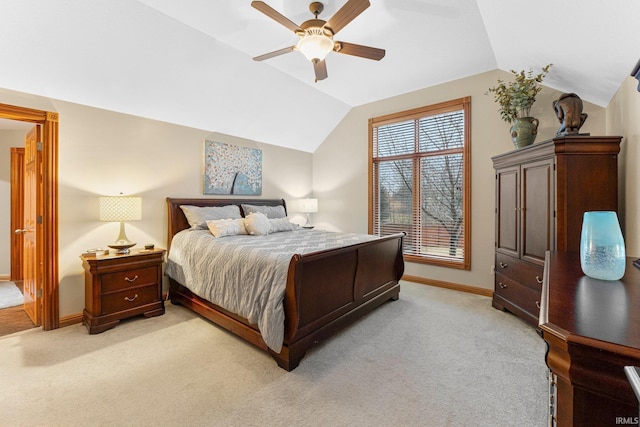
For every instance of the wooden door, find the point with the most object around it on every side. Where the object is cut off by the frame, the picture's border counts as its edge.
(31, 273)
(17, 211)
(507, 206)
(48, 208)
(537, 207)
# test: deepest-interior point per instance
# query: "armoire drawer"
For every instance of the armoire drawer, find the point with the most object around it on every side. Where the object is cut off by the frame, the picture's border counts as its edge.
(519, 295)
(520, 271)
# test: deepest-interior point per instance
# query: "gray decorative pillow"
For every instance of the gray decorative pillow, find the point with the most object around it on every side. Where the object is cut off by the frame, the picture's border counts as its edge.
(197, 216)
(269, 211)
(257, 224)
(282, 224)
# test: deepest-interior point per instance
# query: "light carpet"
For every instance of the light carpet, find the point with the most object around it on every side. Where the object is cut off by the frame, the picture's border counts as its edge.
(10, 295)
(436, 357)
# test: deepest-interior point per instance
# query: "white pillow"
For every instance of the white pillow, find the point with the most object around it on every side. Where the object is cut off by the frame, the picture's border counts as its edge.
(197, 216)
(281, 224)
(226, 227)
(257, 224)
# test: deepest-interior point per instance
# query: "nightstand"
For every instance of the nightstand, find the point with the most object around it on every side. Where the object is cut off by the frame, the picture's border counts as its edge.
(120, 286)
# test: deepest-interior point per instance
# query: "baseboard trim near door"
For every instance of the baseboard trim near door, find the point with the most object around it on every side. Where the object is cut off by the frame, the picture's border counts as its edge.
(72, 319)
(4, 278)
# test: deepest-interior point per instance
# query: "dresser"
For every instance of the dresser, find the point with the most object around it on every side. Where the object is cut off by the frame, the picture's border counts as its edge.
(542, 192)
(117, 287)
(592, 331)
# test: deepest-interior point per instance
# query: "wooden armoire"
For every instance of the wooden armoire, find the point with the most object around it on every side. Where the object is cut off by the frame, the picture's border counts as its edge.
(542, 192)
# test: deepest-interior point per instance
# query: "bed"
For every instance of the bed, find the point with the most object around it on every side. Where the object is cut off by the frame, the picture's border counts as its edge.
(324, 290)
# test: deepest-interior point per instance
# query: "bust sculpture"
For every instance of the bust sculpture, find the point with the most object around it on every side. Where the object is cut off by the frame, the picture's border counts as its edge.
(568, 109)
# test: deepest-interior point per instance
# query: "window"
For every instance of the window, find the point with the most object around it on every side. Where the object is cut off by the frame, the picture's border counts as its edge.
(419, 181)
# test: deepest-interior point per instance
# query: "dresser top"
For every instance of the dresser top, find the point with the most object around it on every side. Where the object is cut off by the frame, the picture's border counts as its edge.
(576, 307)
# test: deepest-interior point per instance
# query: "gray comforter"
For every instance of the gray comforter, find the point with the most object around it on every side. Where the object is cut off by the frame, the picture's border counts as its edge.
(247, 275)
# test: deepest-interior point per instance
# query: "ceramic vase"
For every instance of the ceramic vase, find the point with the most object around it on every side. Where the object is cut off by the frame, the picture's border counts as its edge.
(524, 131)
(602, 251)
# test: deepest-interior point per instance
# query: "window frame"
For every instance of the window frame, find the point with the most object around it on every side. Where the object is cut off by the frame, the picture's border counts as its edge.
(463, 104)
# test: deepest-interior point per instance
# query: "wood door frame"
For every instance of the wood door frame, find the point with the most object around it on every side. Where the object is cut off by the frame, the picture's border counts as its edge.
(47, 253)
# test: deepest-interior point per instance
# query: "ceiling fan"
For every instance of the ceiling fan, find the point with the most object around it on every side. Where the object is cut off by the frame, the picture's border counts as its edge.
(316, 35)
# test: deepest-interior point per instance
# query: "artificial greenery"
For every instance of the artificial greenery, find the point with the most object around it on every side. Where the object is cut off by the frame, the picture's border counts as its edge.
(517, 97)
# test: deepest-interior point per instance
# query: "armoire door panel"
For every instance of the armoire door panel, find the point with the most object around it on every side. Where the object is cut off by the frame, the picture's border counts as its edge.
(507, 222)
(537, 210)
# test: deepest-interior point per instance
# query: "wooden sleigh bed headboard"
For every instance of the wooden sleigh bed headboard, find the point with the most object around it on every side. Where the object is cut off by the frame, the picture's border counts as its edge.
(178, 221)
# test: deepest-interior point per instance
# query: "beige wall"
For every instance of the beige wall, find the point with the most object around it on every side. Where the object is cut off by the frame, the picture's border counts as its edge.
(105, 153)
(623, 114)
(340, 165)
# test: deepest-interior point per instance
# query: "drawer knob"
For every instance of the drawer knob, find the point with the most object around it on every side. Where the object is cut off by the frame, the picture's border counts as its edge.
(502, 285)
(503, 265)
(131, 279)
(131, 299)
(538, 304)
(539, 280)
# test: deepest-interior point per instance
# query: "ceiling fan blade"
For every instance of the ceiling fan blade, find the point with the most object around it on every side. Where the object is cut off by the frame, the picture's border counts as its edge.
(276, 16)
(359, 50)
(275, 53)
(320, 68)
(346, 14)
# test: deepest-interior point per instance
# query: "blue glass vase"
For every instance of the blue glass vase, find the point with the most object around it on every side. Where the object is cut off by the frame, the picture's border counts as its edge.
(602, 252)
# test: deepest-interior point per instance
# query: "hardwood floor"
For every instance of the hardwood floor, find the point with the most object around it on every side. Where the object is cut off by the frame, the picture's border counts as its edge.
(14, 319)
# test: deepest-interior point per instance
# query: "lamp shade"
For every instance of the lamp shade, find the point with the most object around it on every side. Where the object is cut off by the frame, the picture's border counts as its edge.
(120, 208)
(308, 205)
(315, 46)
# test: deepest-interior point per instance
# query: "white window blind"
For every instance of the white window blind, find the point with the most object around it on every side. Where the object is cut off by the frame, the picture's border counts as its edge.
(419, 181)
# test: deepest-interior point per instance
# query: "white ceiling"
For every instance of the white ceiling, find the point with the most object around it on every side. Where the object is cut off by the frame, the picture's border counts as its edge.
(189, 62)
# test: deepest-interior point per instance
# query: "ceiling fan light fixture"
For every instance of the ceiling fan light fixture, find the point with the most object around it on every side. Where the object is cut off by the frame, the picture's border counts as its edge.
(316, 35)
(315, 45)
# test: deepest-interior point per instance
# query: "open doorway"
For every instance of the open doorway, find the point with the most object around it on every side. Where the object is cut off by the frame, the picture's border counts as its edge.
(13, 316)
(42, 244)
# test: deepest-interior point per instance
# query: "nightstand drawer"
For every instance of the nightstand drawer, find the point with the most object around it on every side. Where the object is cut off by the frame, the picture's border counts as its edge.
(128, 299)
(128, 278)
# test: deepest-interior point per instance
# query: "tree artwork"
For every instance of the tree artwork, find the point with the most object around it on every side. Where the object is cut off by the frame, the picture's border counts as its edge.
(231, 169)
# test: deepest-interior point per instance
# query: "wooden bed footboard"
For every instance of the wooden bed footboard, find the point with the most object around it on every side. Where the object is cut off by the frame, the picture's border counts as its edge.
(328, 290)
(325, 290)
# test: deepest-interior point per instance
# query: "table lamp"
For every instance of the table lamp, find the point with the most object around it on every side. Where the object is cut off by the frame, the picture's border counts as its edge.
(308, 206)
(121, 209)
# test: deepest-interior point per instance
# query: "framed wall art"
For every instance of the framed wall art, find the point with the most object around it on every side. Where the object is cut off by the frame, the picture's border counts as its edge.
(232, 170)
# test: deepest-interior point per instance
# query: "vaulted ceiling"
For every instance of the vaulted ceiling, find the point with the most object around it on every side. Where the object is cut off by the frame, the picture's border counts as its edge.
(189, 62)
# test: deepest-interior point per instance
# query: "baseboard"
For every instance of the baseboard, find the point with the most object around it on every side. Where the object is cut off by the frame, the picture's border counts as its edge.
(70, 320)
(77, 318)
(4, 277)
(448, 285)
